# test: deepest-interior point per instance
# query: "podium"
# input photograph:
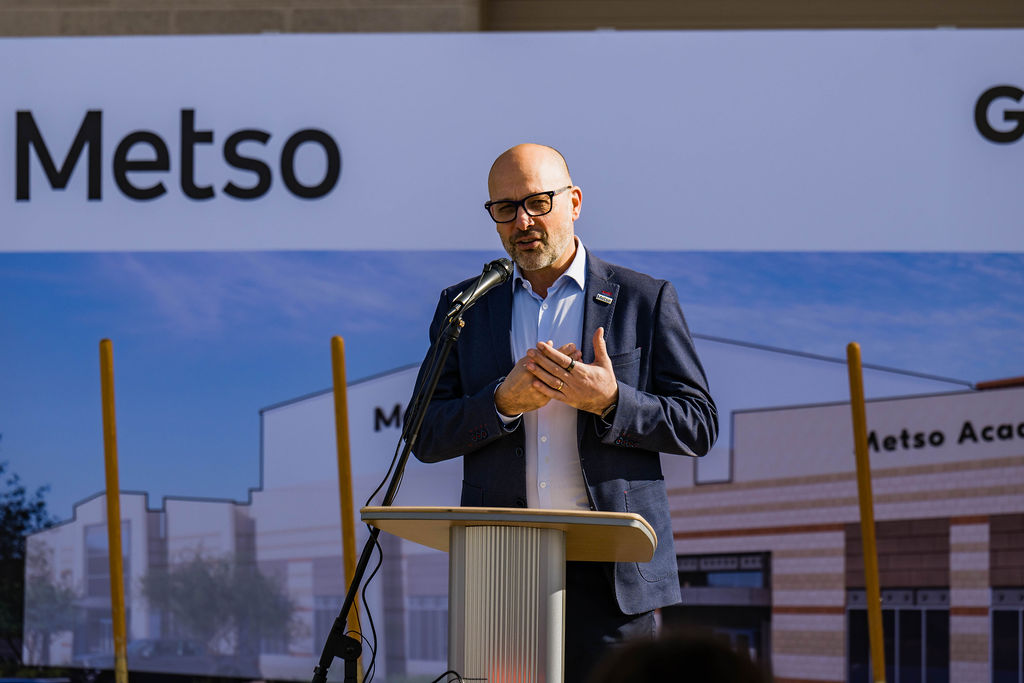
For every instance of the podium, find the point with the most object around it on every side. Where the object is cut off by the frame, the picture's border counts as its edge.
(506, 578)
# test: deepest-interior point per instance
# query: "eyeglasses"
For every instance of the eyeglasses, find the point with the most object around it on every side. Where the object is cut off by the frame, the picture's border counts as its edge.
(537, 204)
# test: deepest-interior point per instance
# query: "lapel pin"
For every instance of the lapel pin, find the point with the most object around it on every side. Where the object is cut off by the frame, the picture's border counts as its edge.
(604, 297)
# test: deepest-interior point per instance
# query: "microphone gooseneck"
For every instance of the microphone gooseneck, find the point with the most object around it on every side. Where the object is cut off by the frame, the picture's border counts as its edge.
(495, 273)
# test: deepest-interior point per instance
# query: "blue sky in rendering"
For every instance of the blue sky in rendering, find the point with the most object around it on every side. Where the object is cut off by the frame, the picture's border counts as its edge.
(202, 341)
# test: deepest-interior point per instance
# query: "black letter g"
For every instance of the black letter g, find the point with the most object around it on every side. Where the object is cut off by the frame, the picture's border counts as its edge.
(981, 114)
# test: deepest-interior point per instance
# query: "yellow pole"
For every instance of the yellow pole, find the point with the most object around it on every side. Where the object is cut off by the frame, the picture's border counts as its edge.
(867, 513)
(113, 510)
(348, 522)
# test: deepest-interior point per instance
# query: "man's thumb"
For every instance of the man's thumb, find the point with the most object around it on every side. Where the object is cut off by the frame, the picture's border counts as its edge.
(600, 350)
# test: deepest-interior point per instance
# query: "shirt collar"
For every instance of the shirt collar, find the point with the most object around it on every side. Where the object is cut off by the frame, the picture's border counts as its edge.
(577, 270)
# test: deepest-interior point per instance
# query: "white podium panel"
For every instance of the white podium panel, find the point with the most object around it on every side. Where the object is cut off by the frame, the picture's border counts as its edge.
(506, 603)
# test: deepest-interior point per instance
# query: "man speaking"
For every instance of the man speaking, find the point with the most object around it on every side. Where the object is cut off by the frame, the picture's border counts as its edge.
(567, 382)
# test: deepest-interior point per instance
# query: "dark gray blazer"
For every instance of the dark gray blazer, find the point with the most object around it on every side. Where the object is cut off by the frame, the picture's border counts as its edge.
(664, 406)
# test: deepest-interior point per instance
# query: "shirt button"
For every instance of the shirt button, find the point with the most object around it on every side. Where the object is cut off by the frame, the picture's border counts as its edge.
(543, 484)
(543, 439)
(544, 307)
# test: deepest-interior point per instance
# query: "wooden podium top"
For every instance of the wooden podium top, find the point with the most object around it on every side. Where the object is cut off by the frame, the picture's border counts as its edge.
(589, 536)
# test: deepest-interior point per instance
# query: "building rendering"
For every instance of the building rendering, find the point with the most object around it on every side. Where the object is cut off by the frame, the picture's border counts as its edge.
(766, 531)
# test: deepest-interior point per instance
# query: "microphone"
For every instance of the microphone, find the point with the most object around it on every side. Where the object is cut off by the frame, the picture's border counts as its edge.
(495, 273)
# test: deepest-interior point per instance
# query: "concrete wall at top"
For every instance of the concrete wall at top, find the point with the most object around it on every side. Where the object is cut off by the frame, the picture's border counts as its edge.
(169, 17)
(190, 17)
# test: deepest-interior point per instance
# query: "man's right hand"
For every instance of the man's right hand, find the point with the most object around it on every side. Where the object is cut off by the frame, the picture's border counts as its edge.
(516, 395)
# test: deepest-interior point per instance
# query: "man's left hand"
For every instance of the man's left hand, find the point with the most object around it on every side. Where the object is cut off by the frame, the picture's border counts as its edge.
(591, 388)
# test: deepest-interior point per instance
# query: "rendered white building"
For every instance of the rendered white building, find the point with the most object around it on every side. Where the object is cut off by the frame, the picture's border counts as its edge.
(290, 528)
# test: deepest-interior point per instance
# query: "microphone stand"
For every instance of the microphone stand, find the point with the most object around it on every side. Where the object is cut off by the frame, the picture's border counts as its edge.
(338, 643)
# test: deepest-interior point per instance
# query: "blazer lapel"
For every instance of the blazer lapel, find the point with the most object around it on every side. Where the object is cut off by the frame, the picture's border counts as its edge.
(601, 295)
(499, 319)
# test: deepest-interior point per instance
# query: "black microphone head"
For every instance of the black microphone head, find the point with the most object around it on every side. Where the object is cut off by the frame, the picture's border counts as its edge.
(495, 273)
(503, 266)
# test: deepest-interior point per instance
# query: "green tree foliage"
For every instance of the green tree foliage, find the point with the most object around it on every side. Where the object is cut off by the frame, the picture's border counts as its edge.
(21, 514)
(221, 601)
(49, 605)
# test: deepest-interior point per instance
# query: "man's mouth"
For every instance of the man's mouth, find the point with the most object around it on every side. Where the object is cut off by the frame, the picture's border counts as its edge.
(528, 242)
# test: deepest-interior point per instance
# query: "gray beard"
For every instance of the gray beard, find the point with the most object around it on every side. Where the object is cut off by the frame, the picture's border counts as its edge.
(529, 262)
(538, 259)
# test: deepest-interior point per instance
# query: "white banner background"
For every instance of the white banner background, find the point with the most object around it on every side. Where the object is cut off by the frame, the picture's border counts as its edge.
(840, 140)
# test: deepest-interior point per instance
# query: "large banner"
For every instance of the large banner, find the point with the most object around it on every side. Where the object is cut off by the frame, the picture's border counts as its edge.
(889, 140)
(221, 206)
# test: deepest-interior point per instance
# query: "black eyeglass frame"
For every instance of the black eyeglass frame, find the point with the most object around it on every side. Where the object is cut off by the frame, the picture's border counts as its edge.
(522, 204)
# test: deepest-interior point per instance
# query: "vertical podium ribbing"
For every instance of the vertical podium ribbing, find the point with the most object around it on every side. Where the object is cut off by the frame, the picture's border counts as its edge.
(506, 603)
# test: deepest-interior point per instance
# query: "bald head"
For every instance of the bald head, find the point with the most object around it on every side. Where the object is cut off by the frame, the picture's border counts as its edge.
(528, 163)
(540, 238)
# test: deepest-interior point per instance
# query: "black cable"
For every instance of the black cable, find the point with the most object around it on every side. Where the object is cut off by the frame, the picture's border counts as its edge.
(357, 634)
(450, 672)
(398, 447)
(371, 668)
(387, 475)
(370, 642)
(368, 674)
(401, 453)
(428, 364)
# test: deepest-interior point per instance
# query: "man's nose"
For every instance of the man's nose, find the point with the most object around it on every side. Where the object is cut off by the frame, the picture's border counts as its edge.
(523, 219)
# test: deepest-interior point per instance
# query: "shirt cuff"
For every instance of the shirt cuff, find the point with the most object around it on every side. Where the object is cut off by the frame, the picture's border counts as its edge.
(510, 423)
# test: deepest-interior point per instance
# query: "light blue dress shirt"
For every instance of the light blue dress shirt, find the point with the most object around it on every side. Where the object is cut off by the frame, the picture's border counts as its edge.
(554, 479)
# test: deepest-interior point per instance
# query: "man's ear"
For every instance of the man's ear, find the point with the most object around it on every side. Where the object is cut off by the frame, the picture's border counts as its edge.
(577, 201)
